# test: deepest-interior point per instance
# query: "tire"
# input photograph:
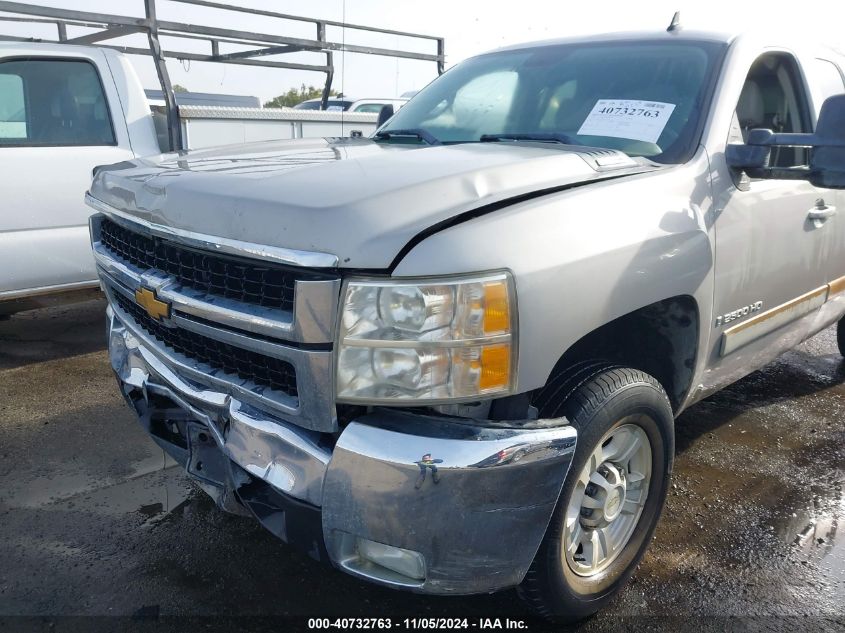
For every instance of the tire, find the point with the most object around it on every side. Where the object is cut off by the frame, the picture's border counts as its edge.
(840, 335)
(612, 408)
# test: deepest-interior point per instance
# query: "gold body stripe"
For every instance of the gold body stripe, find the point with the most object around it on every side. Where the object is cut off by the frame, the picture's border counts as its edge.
(767, 322)
(836, 286)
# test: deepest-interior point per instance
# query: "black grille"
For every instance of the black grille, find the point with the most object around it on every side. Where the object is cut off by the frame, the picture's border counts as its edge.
(241, 280)
(262, 370)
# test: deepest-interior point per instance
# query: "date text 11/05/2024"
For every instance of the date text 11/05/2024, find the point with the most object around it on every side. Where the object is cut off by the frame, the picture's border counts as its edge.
(415, 624)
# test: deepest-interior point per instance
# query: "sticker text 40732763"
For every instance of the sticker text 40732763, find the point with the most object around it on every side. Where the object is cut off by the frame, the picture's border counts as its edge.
(628, 118)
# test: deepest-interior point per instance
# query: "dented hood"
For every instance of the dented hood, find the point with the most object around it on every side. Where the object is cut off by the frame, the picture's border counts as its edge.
(359, 200)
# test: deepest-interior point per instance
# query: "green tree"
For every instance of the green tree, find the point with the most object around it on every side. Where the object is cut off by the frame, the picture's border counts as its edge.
(179, 88)
(294, 96)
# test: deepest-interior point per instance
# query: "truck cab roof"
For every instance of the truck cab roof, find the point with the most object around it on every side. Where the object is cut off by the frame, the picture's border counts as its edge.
(760, 38)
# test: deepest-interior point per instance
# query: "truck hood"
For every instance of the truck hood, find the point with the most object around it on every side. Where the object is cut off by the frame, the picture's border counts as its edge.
(353, 198)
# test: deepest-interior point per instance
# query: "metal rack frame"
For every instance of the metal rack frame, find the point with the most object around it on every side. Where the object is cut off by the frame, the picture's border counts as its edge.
(262, 44)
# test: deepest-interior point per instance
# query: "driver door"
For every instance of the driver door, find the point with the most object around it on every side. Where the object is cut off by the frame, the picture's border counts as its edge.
(771, 254)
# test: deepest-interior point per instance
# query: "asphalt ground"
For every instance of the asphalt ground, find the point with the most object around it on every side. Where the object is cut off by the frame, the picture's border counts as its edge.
(98, 531)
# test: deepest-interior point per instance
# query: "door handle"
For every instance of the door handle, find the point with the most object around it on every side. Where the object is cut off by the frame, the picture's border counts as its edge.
(821, 212)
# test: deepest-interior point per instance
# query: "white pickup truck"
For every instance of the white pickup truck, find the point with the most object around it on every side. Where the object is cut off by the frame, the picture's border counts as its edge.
(65, 109)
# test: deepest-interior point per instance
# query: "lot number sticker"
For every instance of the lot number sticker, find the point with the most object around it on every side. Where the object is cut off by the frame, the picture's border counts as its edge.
(627, 118)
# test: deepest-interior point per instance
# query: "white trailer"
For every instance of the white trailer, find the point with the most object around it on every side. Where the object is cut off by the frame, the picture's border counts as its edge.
(204, 126)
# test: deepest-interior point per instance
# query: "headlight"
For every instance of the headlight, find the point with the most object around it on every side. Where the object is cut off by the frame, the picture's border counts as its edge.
(427, 340)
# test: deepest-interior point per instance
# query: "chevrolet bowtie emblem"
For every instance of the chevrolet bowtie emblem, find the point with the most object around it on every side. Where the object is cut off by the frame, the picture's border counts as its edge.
(156, 308)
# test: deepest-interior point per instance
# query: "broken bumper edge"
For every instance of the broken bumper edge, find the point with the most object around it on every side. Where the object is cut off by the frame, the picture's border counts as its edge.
(425, 503)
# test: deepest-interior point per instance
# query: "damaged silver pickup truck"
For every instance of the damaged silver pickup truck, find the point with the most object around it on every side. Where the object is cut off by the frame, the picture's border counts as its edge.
(448, 358)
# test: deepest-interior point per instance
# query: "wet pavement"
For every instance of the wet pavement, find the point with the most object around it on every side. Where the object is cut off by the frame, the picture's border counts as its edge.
(94, 521)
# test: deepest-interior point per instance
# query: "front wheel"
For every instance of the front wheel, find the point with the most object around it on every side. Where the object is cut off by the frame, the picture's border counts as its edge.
(613, 494)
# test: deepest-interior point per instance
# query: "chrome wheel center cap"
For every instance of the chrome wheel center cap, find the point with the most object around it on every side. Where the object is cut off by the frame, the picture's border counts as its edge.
(605, 500)
(613, 503)
(613, 495)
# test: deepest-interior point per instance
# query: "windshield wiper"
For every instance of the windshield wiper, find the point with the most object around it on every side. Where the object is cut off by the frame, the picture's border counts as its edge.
(542, 138)
(419, 133)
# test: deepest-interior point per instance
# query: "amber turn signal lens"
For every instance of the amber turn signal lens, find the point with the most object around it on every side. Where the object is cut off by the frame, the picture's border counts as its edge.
(495, 367)
(497, 316)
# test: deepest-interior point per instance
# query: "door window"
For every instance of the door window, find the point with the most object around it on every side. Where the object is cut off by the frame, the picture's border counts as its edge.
(52, 102)
(370, 107)
(12, 119)
(773, 97)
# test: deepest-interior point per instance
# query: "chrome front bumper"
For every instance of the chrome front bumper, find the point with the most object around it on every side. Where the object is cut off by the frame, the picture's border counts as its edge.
(472, 502)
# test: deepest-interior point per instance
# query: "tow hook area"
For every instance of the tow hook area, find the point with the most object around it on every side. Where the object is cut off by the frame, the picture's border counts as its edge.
(206, 462)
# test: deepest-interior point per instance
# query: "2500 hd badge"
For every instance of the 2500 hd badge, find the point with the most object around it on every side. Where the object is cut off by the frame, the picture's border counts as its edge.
(739, 313)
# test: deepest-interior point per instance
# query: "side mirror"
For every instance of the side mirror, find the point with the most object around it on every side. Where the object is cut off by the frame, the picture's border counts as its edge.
(827, 158)
(747, 157)
(384, 114)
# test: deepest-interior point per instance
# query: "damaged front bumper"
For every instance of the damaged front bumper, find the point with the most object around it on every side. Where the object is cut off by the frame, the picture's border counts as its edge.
(431, 504)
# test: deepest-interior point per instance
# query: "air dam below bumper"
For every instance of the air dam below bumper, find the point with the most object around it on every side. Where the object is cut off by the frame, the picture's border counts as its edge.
(431, 504)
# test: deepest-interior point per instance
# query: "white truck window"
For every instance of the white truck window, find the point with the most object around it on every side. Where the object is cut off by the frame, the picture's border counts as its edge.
(370, 107)
(50, 102)
(12, 119)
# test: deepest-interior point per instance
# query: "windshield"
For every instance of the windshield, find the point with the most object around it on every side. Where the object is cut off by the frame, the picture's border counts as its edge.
(644, 98)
